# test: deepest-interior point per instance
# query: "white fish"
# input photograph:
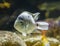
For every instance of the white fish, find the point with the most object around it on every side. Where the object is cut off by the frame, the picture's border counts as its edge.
(25, 23)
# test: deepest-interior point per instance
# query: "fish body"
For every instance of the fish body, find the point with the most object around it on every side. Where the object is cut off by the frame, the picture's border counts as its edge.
(25, 23)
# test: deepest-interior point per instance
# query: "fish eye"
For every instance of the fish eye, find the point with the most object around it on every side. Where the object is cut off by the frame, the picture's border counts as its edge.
(20, 18)
(28, 16)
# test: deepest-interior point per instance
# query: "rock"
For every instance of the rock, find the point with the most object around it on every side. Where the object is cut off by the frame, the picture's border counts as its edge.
(8, 38)
(37, 41)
